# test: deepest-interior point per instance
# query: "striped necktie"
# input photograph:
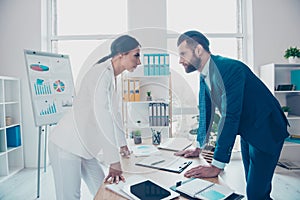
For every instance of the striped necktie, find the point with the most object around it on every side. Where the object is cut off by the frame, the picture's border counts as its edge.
(201, 134)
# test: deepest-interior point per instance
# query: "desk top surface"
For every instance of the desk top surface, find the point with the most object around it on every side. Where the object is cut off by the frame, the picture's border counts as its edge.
(163, 177)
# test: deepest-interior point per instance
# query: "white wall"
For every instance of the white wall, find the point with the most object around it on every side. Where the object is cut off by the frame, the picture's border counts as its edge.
(20, 23)
(147, 21)
(276, 26)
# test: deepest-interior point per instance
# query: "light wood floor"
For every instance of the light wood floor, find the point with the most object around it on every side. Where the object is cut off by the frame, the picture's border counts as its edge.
(23, 185)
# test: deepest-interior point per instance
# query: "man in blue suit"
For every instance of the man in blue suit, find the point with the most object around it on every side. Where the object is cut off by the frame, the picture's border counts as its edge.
(247, 109)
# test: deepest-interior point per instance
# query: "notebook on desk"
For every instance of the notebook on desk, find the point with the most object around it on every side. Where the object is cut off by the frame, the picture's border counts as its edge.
(176, 144)
(195, 188)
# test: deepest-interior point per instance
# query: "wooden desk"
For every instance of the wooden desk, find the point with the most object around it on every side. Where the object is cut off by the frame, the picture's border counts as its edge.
(163, 177)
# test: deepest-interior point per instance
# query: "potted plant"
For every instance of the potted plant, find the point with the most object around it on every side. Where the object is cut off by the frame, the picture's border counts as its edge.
(292, 54)
(137, 137)
(149, 97)
(286, 110)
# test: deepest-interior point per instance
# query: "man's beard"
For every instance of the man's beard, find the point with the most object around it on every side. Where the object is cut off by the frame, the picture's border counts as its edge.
(193, 65)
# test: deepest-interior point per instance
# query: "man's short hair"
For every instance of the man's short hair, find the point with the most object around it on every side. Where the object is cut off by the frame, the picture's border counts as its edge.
(193, 38)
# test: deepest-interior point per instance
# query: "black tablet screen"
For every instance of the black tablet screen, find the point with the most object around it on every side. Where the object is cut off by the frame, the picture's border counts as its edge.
(148, 190)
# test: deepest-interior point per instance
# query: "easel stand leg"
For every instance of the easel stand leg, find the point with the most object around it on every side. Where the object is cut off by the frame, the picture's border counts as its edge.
(45, 149)
(39, 162)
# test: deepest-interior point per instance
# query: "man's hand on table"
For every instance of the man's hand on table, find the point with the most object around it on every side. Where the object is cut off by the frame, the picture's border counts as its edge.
(189, 153)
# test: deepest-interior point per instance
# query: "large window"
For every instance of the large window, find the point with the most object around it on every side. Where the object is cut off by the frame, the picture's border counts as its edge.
(78, 27)
(221, 21)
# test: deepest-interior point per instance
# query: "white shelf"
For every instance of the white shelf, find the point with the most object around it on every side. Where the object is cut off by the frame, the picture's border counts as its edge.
(12, 125)
(293, 117)
(287, 92)
(11, 158)
(10, 149)
(11, 102)
(146, 127)
(145, 102)
(14, 170)
(279, 74)
(133, 111)
(286, 65)
(146, 77)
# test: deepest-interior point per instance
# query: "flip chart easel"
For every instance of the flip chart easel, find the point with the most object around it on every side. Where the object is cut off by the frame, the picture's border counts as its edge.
(52, 91)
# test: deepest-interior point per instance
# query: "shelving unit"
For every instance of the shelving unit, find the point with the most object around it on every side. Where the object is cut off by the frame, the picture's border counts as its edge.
(11, 142)
(280, 74)
(136, 114)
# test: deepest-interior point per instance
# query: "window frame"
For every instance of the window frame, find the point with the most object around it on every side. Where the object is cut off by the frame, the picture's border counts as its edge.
(240, 34)
(242, 29)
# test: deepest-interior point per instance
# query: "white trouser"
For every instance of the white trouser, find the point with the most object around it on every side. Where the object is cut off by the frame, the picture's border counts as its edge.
(68, 169)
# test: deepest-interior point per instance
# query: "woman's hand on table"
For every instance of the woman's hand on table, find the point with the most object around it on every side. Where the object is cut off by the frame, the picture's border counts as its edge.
(114, 174)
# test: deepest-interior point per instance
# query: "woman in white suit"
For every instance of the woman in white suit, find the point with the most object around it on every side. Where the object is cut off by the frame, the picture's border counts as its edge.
(93, 127)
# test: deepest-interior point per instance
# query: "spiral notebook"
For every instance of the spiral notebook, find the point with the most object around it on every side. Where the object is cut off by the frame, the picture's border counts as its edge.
(195, 188)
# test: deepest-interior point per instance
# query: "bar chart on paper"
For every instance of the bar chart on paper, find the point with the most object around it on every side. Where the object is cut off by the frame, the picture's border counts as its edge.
(41, 87)
(48, 109)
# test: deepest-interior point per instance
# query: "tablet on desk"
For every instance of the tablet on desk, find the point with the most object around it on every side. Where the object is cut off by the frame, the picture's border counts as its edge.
(149, 190)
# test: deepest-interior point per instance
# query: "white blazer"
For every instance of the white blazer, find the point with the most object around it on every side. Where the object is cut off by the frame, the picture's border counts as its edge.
(94, 124)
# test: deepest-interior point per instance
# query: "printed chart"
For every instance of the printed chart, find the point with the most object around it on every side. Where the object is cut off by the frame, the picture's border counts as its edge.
(51, 83)
(59, 86)
(48, 109)
(41, 88)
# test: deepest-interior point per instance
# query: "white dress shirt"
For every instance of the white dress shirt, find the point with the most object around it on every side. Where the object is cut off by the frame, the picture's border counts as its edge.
(94, 124)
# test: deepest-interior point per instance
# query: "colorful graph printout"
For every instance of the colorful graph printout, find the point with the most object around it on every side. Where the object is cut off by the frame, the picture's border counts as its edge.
(59, 86)
(38, 67)
(50, 109)
(41, 88)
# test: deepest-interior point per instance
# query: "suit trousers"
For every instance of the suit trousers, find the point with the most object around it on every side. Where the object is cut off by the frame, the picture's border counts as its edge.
(259, 169)
(68, 169)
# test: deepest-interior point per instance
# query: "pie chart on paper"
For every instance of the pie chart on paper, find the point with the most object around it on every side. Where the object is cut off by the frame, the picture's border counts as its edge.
(39, 67)
(59, 86)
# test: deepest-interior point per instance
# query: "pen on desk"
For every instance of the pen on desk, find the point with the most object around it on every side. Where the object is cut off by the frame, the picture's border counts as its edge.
(157, 162)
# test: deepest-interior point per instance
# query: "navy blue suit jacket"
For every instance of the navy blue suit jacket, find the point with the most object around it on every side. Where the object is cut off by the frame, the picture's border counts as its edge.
(247, 108)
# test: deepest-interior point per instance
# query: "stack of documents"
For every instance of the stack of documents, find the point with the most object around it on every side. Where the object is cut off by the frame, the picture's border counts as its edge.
(167, 163)
(176, 144)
